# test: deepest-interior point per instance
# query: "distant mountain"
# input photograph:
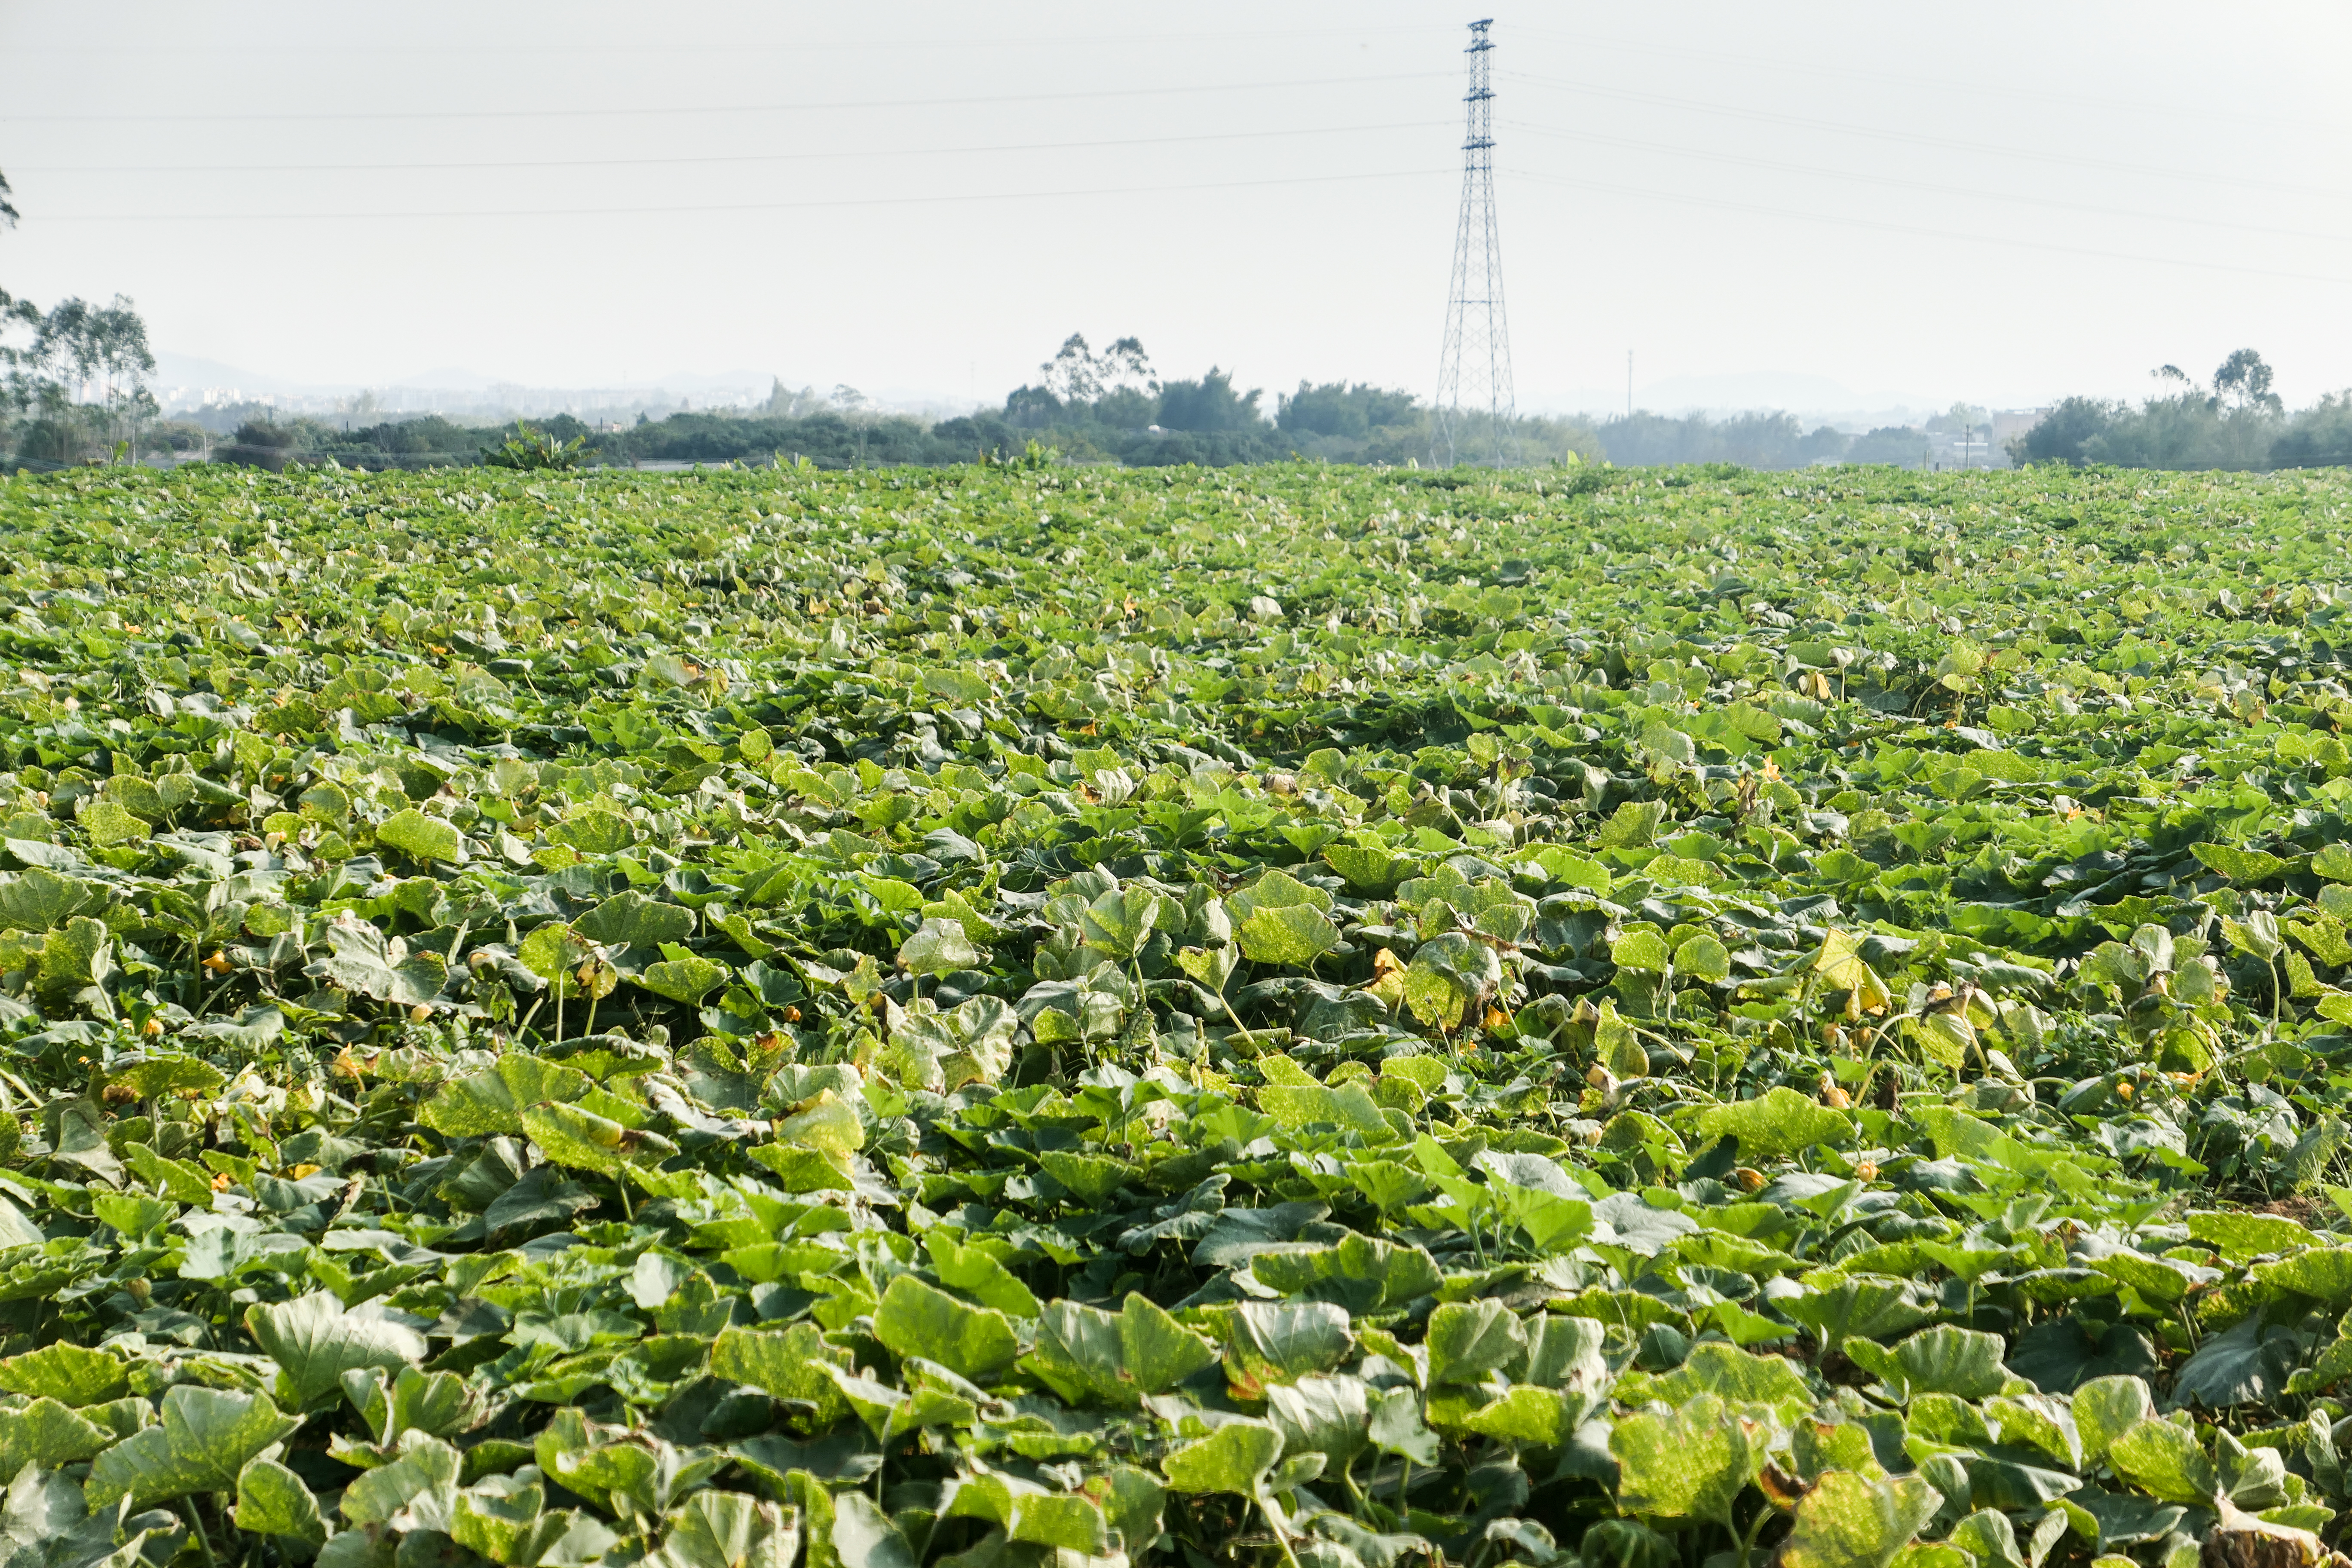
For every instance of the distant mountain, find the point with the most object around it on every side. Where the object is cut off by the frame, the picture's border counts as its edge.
(1805, 395)
(175, 369)
(1767, 389)
(451, 378)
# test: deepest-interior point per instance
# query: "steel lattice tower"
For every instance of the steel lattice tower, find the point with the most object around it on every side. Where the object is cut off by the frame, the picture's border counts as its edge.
(1475, 404)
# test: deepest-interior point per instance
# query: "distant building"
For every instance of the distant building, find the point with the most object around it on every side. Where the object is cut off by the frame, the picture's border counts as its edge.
(2008, 422)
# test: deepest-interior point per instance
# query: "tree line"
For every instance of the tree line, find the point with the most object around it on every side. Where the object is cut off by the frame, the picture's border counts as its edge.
(72, 377)
(2234, 421)
(73, 388)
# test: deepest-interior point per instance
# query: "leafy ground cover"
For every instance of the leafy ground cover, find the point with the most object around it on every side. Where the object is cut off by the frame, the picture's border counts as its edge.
(1323, 1016)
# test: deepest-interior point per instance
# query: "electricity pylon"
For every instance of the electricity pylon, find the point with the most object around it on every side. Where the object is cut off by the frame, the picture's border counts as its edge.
(1475, 406)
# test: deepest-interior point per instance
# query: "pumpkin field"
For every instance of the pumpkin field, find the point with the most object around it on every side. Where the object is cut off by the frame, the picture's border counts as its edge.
(1034, 1016)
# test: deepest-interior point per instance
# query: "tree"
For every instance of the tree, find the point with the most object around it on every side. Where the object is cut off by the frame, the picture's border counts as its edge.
(1071, 374)
(1337, 408)
(86, 371)
(2320, 437)
(784, 403)
(1208, 404)
(2245, 380)
(2062, 434)
(1077, 374)
(13, 312)
(99, 353)
(1031, 407)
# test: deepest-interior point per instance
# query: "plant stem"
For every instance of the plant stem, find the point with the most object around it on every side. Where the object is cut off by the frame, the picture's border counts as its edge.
(196, 1522)
(1755, 1528)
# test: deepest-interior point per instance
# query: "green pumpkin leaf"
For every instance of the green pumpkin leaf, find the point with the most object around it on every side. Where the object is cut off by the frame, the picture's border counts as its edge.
(1467, 1339)
(46, 1434)
(315, 1339)
(1941, 1360)
(1690, 1463)
(687, 980)
(1291, 935)
(203, 1441)
(272, 1501)
(1234, 1457)
(419, 836)
(2164, 1459)
(1776, 1124)
(1269, 1342)
(938, 946)
(919, 1319)
(493, 1099)
(68, 1373)
(1850, 1521)
(2106, 1407)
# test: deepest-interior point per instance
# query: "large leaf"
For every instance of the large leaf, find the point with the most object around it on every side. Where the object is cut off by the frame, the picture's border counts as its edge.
(420, 837)
(1119, 921)
(576, 1137)
(2106, 1407)
(1941, 1360)
(68, 1373)
(2058, 1356)
(1450, 978)
(49, 1434)
(1774, 1125)
(1269, 1342)
(493, 1099)
(1328, 1416)
(729, 1529)
(1863, 1306)
(789, 1363)
(2247, 1365)
(2160, 1458)
(273, 1500)
(1467, 1339)
(937, 947)
(361, 962)
(1362, 1273)
(919, 1319)
(632, 920)
(1156, 1351)
(203, 1441)
(315, 1339)
(1850, 1521)
(1690, 1463)
(1234, 1457)
(869, 1538)
(1293, 935)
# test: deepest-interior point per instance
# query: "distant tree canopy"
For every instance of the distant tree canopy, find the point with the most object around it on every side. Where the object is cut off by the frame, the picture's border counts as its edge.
(75, 381)
(1751, 440)
(1209, 404)
(2235, 422)
(1337, 408)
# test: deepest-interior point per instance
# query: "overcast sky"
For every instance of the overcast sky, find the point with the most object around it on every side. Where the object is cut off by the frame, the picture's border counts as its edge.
(2004, 202)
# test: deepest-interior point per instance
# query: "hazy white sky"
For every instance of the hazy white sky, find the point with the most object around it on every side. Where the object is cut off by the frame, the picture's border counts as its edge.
(2006, 201)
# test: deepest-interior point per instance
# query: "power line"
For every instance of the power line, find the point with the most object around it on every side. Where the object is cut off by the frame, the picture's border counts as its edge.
(708, 158)
(1920, 139)
(242, 46)
(828, 107)
(1897, 183)
(735, 206)
(1886, 228)
(2070, 98)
